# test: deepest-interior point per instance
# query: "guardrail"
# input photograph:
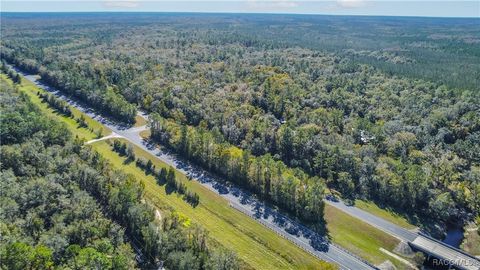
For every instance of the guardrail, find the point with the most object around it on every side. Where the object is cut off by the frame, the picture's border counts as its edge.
(295, 241)
(447, 245)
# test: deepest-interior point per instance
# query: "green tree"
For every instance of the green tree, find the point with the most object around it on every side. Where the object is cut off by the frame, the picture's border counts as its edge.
(42, 258)
(171, 181)
(17, 256)
(89, 258)
(162, 176)
(286, 144)
(130, 152)
(223, 260)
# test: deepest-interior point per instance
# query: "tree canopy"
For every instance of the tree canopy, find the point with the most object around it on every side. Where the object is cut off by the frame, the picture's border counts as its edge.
(64, 206)
(285, 109)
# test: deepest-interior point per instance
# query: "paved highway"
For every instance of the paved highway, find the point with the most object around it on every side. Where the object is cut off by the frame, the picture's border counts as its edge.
(238, 198)
(386, 226)
(420, 241)
(446, 254)
(269, 216)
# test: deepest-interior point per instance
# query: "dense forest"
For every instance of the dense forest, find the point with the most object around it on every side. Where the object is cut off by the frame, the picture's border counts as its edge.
(292, 190)
(64, 207)
(285, 105)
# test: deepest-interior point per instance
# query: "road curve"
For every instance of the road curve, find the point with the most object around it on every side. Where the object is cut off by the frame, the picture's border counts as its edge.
(268, 216)
(238, 198)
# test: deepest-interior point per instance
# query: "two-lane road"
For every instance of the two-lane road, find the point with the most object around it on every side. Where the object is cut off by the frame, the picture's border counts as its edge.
(238, 198)
(271, 217)
(247, 203)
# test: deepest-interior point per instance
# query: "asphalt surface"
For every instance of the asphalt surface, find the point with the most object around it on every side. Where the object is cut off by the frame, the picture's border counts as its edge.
(240, 199)
(386, 226)
(271, 217)
(456, 258)
(420, 241)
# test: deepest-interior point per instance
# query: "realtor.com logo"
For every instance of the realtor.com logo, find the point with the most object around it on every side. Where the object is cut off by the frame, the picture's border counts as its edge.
(458, 262)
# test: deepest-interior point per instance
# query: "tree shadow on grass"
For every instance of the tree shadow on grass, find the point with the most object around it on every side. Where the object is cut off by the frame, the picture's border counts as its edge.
(128, 161)
(169, 189)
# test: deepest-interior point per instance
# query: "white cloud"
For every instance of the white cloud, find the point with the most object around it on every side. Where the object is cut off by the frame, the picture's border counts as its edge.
(351, 3)
(284, 4)
(267, 4)
(121, 3)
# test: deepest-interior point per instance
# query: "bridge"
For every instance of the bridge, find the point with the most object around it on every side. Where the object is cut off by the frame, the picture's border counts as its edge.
(443, 254)
(446, 254)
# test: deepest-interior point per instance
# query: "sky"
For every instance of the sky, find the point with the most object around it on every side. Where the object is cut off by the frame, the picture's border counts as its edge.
(429, 8)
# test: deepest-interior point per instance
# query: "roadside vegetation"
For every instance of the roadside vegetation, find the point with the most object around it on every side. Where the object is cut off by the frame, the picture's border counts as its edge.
(472, 238)
(360, 238)
(272, 180)
(162, 175)
(256, 246)
(389, 119)
(225, 223)
(78, 123)
(386, 214)
(260, 247)
(65, 206)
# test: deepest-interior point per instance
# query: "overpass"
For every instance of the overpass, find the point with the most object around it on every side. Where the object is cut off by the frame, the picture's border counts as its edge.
(270, 217)
(444, 255)
(454, 257)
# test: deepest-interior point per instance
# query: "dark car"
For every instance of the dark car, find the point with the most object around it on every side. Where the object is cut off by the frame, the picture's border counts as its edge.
(293, 230)
(319, 243)
(332, 198)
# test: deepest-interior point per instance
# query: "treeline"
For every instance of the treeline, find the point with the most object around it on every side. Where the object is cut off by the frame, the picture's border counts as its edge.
(56, 103)
(169, 178)
(124, 149)
(57, 194)
(406, 144)
(270, 179)
(162, 175)
(12, 74)
(74, 82)
(61, 106)
(46, 220)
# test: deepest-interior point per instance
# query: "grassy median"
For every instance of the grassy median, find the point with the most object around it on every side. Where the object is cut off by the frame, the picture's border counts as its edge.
(257, 246)
(87, 133)
(385, 214)
(359, 237)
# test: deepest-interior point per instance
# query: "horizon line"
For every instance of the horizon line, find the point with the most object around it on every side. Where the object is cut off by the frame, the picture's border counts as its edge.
(247, 13)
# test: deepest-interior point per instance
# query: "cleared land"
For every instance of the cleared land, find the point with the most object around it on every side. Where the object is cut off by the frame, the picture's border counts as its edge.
(140, 121)
(255, 244)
